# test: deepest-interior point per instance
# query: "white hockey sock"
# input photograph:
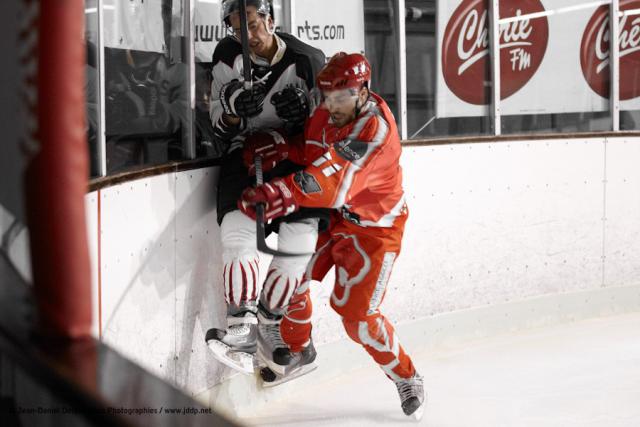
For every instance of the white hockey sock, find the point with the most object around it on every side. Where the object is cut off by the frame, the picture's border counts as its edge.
(285, 273)
(240, 258)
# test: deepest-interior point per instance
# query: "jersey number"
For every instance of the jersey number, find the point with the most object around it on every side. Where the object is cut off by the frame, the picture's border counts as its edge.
(331, 168)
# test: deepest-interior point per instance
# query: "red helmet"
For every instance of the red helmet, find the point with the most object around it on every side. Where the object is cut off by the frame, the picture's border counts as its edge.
(344, 71)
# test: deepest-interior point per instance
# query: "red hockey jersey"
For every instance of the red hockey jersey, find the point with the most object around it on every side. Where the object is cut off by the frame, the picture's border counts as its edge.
(355, 169)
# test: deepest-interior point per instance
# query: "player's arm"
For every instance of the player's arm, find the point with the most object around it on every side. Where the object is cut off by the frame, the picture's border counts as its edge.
(327, 182)
(231, 103)
(273, 146)
(225, 127)
(294, 103)
(277, 145)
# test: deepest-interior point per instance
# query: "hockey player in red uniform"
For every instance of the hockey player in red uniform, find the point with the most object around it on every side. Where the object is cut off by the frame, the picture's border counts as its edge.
(352, 149)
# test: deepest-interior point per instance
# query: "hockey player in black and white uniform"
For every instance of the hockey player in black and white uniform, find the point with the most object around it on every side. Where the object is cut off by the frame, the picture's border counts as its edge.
(283, 73)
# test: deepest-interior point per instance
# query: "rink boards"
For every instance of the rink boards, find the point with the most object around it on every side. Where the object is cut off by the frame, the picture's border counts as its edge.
(516, 233)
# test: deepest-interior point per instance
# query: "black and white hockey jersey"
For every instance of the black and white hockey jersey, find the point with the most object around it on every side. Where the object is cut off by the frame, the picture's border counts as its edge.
(295, 63)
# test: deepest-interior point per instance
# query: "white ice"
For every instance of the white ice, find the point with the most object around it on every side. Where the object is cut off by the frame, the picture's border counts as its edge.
(583, 374)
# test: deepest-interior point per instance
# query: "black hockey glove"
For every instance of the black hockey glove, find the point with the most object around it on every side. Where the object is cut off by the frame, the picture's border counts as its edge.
(225, 132)
(292, 105)
(240, 102)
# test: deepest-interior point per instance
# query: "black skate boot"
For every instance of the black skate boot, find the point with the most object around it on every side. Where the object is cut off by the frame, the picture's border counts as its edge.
(298, 364)
(270, 343)
(411, 393)
(235, 346)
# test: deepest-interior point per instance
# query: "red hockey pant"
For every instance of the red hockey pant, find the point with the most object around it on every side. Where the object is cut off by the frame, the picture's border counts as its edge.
(363, 258)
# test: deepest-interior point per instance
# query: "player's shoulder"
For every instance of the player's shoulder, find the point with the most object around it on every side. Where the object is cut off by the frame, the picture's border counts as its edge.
(317, 121)
(226, 51)
(301, 49)
(320, 115)
(375, 123)
(382, 111)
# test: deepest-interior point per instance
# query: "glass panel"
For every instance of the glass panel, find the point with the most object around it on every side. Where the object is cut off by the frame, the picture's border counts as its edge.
(630, 65)
(92, 83)
(208, 32)
(554, 63)
(147, 108)
(380, 49)
(447, 68)
(206, 144)
(630, 120)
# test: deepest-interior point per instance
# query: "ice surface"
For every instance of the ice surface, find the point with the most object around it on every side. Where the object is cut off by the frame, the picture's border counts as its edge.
(583, 374)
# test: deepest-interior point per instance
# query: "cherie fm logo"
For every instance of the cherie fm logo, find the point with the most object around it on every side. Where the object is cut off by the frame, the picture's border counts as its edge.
(595, 51)
(465, 48)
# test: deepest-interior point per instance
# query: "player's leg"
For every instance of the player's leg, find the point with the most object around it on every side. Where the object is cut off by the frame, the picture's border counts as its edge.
(240, 277)
(295, 328)
(296, 323)
(283, 277)
(379, 339)
(363, 265)
(240, 271)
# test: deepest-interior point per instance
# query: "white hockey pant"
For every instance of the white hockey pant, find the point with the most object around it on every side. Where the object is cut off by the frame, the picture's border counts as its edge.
(240, 260)
(285, 273)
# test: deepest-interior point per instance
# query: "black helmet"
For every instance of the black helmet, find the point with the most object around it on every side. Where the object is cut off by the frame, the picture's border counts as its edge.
(264, 7)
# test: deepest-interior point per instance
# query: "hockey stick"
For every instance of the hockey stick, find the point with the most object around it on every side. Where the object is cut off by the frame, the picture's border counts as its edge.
(260, 231)
(248, 82)
(244, 40)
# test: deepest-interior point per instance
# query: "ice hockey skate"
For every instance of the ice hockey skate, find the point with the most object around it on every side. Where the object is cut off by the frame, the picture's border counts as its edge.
(270, 343)
(236, 346)
(411, 391)
(288, 365)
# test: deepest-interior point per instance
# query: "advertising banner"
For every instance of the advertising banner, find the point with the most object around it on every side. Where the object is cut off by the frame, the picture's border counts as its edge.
(554, 57)
(330, 25)
(134, 24)
(140, 25)
(209, 29)
(314, 22)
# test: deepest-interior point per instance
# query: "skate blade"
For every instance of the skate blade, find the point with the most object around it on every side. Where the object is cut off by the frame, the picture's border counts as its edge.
(417, 414)
(303, 370)
(265, 361)
(236, 360)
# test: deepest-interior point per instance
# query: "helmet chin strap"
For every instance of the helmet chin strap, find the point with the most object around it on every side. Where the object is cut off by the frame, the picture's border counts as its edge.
(358, 106)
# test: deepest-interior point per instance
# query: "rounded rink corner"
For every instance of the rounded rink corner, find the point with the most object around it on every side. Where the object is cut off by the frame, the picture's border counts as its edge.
(537, 279)
(536, 362)
(507, 265)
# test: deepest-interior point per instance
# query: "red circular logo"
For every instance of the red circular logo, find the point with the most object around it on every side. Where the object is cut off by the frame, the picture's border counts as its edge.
(595, 52)
(465, 48)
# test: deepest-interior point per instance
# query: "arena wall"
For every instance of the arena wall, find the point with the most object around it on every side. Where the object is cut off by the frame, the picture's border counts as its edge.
(502, 236)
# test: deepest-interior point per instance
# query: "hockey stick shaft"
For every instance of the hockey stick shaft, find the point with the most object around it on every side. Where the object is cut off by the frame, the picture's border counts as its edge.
(260, 231)
(244, 40)
(261, 237)
(248, 81)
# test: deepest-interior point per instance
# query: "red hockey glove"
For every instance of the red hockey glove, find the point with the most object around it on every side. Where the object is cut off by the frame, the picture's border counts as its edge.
(276, 196)
(270, 145)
